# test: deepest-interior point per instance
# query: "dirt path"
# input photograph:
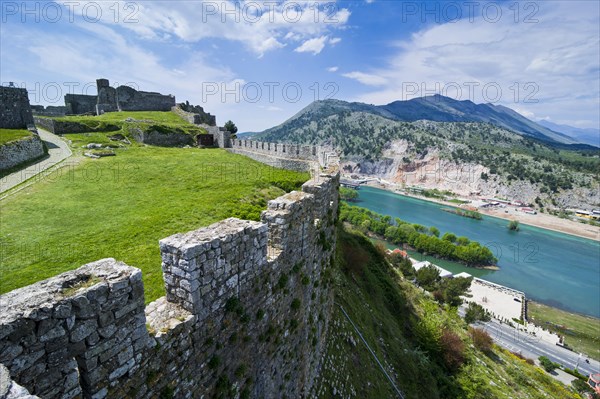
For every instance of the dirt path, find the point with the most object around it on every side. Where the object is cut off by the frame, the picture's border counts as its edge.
(58, 150)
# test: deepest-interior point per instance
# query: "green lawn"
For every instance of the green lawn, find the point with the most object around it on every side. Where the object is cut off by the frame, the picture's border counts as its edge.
(121, 206)
(582, 333)
(126, 120)
(154, 116)
(8, 135)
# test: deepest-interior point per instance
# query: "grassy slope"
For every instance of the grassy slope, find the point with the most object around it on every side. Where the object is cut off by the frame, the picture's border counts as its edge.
(121, 206)
(8, 135)
(126, 120)
(399, 323)
(581, 333)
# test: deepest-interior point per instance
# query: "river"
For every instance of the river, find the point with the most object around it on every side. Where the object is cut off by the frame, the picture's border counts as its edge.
(553, 268)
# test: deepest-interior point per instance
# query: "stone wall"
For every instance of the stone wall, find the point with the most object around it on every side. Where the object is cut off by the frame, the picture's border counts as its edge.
(123, 98)
(246, 313)
(129, 99)
(63, 127)
(287, 156)
(194, 114)
(15, 111)
(80, 104)
(50, 110)
(162, 139)
(21, 151)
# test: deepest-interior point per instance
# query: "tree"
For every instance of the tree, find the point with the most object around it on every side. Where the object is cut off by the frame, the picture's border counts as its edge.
(348, 194)
(454, 288)
(513, 225)
(449, 237)
(434, 231)
(428, 277)
(476, 312)
(231, 127)
(547, 364)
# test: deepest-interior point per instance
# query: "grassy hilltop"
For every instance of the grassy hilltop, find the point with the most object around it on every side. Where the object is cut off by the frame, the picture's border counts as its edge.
(121, 206)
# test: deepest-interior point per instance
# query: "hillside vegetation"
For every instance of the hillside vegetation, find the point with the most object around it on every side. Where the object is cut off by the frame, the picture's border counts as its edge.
(425, 348)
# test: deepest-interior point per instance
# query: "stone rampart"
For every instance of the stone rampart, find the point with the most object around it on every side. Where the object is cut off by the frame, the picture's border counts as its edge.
(245, 314)
(21, 151)
(15, 110)
(194, 114)
(80, 104)
(64, 127)
(287, 156)
(50, 110)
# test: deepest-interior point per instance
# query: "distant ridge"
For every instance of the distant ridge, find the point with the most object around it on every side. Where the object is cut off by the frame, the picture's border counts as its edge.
(587, 136)
(435, 108)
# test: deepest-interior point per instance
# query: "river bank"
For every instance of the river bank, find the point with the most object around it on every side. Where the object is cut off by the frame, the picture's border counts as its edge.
(541, 220)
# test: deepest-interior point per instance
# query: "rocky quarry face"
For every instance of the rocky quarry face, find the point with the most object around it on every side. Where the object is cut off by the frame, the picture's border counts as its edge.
(399, 166)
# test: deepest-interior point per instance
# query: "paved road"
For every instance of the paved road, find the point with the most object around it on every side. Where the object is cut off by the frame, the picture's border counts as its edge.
(58, 150)
(533, 347)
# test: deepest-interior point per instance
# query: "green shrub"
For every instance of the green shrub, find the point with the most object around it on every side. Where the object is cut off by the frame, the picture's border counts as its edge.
(295, 304)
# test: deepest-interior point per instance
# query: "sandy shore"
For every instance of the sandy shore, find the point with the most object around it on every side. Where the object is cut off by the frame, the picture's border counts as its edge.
(542, 220)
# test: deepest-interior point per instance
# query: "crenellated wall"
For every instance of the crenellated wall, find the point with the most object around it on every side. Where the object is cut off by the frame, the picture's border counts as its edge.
(287, 156)
(246, 313)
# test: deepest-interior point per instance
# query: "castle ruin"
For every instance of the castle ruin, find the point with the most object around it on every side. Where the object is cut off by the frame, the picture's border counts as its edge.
(245, 314)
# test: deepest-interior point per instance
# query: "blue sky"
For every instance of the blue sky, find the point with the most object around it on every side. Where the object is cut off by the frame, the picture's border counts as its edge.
(258, 63)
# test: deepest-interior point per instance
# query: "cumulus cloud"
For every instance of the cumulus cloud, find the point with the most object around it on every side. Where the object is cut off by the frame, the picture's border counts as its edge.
(314, 45)
(260, 26)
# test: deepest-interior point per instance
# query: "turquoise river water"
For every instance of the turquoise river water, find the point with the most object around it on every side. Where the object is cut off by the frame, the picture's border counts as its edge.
(553, 268)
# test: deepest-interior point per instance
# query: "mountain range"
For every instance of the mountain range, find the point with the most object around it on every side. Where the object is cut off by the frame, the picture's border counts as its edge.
(505, 153)
(444, 109)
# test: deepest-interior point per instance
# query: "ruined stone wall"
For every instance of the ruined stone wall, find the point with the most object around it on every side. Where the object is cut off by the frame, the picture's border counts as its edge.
(194, 114)
(222, 138)
(129, 99)
(162, 139)
(63, 127)
(21, 151)
(18, 152)
(80, 104)
(50, 110)
(245, 315)
(15, 110)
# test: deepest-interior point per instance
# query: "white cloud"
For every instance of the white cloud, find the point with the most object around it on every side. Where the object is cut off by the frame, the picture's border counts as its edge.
(335, 40)
(314, 45)
(333, 69)
(260, 26)
(366, 79)
(546, 68)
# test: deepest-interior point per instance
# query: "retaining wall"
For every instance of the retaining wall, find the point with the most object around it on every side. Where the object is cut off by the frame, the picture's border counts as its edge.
(21, 151)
